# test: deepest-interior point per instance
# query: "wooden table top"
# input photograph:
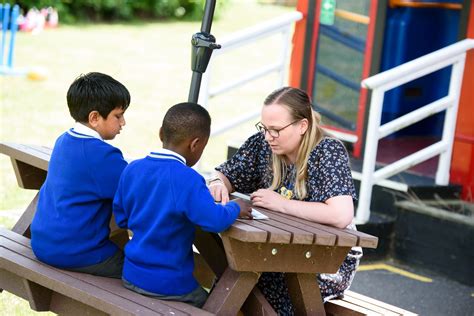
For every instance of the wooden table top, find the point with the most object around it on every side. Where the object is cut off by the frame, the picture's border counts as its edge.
(285, 229)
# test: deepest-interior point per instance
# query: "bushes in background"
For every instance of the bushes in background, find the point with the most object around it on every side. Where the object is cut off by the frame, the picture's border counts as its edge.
(119, 10)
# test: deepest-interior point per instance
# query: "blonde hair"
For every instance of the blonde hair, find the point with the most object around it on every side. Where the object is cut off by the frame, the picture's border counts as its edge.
(299, 105)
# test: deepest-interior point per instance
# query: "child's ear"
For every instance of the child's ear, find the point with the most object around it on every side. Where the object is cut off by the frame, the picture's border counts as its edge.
(94, 118)
(194, 143)
(161, 134)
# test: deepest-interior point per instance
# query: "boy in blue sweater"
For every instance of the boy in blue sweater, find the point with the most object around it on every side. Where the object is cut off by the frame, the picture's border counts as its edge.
(70, 229)
(161, 199)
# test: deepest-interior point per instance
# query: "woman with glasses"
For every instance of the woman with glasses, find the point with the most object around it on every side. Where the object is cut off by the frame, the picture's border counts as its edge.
(291, 167)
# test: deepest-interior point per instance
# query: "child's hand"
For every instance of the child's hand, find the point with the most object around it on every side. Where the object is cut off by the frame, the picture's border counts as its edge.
(245, 208)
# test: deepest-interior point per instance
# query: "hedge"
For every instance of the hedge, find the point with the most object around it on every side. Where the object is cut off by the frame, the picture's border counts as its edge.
(120, 10)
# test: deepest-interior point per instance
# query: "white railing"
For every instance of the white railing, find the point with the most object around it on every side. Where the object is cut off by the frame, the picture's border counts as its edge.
(453, 55)
(282, 25)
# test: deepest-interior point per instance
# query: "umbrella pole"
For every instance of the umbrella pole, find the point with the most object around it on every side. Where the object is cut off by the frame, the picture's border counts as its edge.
(202, 45)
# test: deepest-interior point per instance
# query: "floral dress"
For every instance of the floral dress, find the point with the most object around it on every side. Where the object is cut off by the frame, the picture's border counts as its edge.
(329, 175)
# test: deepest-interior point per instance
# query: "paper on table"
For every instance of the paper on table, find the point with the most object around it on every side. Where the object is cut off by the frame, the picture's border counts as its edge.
(257, 215)
(241, 195)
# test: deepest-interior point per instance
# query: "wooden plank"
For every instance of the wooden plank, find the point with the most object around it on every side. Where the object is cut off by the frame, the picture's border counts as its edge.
(23, 224)
(269, 257)
(211, 249)
(28, 176)
(363, 240)
(342, 238)
(14, 236)
(202, 272)
(30, 163)
(36, 156)
(305, 294)
(370, 306)
(13, 282)
(257, 305)
(231, 291)
(113, 286)
(84, 288)
(120, 237)
(244, 232)
(61, 283)
(298, 236)
(364, 298)
(39, 297)
(320, 237)
(343, 308)
(275, 235)
(63, 305)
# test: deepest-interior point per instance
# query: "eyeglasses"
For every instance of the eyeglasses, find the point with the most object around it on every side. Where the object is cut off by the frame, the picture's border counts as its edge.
(273, 132)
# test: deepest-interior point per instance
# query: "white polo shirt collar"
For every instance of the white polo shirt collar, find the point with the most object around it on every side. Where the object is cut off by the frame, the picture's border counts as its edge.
(82, 131)
(167, 154)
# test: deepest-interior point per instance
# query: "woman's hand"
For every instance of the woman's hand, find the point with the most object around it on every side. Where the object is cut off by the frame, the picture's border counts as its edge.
(219, 191)
(268, 199)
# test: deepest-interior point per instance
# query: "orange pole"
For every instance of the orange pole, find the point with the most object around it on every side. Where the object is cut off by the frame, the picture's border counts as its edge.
(462, 163)
(296, 62)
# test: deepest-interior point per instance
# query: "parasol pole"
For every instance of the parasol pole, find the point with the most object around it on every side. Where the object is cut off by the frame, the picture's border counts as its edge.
(203, 43)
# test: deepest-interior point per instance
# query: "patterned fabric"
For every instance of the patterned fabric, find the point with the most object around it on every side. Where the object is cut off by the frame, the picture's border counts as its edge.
(329, 175)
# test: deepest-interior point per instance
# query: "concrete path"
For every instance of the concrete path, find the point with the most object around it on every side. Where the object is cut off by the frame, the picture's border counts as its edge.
(414, 289)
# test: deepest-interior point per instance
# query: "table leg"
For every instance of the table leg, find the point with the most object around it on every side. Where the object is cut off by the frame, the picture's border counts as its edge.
(212, 250)
(305, 294)
(28, 177)
(118, 236)
(22, 226)
(230, 292)
(257, 305)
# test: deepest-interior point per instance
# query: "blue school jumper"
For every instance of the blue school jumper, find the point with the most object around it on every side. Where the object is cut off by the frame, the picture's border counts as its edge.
(161, 200)
(71, 225)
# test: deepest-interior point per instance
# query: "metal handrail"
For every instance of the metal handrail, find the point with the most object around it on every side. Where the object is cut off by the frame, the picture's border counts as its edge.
(453, 55)
(282, 25)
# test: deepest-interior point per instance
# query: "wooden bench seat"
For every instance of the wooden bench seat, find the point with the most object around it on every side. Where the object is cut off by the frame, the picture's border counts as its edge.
(355, 304)
(71, 293)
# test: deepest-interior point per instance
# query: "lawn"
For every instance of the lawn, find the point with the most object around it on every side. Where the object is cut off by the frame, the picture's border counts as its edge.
(152, 60)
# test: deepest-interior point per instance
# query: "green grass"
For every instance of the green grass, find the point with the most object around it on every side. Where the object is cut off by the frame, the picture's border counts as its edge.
(152, 60)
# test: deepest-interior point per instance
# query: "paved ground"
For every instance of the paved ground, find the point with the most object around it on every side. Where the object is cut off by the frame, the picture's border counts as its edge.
(414, 289)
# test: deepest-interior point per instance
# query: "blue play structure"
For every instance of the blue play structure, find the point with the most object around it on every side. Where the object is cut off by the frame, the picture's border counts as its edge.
(9, 26)
(409, 34)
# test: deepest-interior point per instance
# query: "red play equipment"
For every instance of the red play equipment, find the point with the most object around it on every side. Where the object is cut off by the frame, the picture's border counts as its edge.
(368, 37)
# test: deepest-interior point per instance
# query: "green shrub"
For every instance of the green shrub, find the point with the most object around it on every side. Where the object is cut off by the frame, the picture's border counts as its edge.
(120, 10)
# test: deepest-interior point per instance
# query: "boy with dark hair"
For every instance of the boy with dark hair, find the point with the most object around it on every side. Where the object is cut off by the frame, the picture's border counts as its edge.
(161, 199)
(70, 229)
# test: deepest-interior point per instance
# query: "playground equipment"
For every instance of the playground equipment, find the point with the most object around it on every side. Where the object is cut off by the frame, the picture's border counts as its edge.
(9, 24)
(7, 49)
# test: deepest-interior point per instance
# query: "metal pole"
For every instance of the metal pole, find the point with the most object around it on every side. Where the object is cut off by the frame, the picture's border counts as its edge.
(208, 16)
(195, 87)
(203, 44)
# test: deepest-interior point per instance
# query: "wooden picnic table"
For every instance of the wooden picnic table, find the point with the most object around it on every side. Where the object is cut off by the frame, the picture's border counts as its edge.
(239, 255)
(282, 243)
